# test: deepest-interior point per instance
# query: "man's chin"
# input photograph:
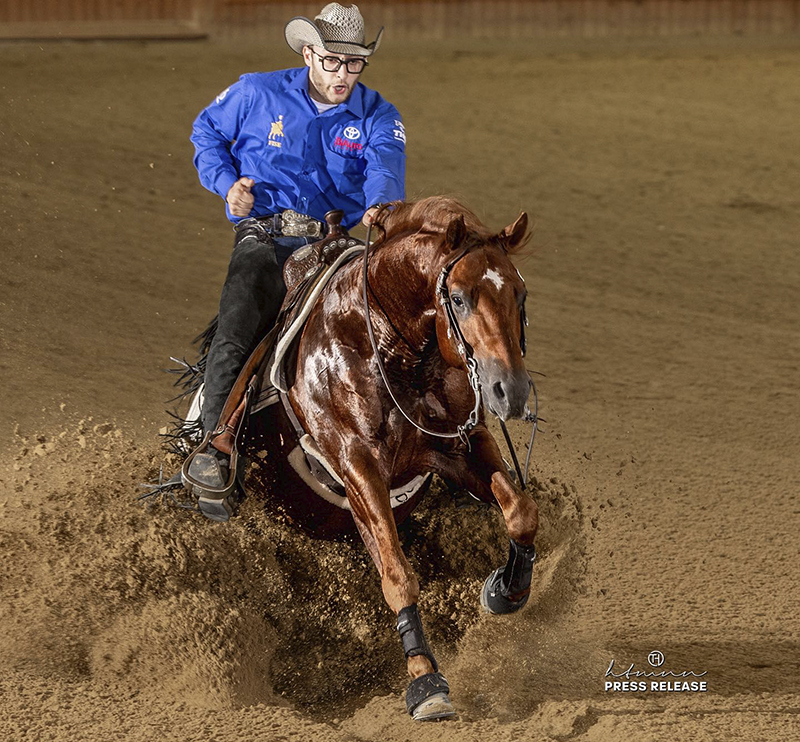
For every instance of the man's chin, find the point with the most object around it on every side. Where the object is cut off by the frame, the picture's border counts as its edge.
(338, 97)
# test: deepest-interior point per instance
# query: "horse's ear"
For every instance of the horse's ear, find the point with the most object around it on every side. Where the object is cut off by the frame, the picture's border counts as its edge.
(515, 234)
(456, 232)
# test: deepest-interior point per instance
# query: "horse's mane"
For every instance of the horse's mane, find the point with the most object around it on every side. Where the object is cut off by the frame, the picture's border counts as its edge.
(433, 214)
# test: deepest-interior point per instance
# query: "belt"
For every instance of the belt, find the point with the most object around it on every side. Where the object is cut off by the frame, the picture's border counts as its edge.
(286, 224)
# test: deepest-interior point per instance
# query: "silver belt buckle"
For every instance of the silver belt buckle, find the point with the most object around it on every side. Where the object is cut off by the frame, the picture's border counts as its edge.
(299, 225)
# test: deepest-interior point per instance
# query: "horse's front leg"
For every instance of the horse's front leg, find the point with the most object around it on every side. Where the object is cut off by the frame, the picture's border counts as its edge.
(427, 695)
(483, 472)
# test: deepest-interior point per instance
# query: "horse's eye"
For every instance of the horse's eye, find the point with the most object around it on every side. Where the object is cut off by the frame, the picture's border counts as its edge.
(457, 300)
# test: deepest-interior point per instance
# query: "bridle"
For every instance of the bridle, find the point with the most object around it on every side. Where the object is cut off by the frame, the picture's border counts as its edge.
(463, 347)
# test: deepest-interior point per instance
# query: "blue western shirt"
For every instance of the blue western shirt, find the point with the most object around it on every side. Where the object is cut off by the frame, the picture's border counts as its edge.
(266, 127)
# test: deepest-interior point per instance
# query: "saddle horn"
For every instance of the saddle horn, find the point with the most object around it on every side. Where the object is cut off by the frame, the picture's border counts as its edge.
(334, 221)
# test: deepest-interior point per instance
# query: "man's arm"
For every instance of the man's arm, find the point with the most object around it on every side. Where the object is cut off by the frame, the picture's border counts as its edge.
(213, 132)
(386, 162)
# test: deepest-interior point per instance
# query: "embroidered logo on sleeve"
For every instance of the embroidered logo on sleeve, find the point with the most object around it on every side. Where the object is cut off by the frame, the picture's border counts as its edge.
(276, 130)
(399, 131)
(221, 96)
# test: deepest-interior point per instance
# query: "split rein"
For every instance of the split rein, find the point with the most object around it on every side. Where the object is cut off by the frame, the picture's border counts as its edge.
(464, 350)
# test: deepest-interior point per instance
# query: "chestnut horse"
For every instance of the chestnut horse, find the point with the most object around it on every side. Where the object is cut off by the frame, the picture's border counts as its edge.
(445, 307)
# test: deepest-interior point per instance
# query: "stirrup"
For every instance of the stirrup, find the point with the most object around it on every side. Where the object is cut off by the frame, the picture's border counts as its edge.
(201, 490)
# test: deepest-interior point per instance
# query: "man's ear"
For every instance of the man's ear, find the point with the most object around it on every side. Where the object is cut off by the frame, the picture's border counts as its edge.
(308, 55)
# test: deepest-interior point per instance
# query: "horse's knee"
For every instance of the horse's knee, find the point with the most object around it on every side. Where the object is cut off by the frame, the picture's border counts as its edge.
(519, 510)
(524, 521)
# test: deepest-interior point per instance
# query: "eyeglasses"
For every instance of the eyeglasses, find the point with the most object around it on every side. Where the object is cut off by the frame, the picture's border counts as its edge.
(332, 64)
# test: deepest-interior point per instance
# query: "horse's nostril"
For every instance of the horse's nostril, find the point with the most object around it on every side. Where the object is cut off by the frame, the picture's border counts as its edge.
(498, 390)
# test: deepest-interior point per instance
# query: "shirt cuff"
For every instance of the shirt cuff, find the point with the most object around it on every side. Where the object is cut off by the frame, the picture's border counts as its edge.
(224, 183)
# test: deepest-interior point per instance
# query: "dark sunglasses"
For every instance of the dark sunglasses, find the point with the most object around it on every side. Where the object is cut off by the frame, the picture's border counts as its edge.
(332, 64)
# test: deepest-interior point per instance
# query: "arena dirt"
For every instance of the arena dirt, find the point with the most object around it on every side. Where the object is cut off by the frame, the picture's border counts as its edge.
(664, 294)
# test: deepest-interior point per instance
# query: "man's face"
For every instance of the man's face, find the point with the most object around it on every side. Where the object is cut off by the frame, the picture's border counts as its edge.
(329, 87)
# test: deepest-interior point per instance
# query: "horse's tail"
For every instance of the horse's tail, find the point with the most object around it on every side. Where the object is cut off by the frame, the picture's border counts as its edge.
(189, 382)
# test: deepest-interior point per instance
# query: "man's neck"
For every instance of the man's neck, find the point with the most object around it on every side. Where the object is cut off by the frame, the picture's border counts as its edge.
(322, 107)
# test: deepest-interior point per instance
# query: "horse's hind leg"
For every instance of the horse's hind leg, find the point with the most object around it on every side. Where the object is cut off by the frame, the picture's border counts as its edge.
(483, 472)
(427, 696)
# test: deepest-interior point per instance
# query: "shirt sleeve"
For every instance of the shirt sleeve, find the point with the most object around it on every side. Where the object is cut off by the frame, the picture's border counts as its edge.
(213, 133)
(386, 159)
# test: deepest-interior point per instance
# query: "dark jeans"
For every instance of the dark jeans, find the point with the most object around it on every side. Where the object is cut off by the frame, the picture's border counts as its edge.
(250, 302)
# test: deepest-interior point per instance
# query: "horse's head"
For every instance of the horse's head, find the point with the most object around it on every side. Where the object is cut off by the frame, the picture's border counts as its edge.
(486, 297)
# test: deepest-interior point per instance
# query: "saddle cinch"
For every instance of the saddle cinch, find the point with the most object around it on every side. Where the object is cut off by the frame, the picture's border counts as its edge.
(267, 375)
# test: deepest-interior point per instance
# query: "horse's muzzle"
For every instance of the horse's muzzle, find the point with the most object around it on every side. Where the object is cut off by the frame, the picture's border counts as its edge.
(505, 392)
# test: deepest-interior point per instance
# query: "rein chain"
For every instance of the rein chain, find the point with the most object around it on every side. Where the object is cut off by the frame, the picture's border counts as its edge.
(463, 347)
(465, 351)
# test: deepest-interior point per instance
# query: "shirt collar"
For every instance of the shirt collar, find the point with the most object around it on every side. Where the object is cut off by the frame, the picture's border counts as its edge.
(354, 104)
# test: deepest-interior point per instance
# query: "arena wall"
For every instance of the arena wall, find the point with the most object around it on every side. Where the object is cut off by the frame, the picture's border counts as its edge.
(407, 18)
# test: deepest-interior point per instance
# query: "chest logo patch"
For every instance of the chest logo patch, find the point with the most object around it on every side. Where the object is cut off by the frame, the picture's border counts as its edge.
(276, 133)
(346, 142)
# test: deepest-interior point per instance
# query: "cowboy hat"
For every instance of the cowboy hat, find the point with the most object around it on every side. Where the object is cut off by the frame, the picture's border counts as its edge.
(338, 29)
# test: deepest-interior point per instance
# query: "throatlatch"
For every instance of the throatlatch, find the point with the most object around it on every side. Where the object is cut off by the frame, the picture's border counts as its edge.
(409, 626)
(506, 590)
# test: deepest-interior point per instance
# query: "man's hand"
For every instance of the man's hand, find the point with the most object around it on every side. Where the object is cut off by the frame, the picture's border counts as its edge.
(369, 214)
(239, 198)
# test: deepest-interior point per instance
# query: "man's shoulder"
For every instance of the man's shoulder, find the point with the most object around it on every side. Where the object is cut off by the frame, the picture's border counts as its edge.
(267, 82)
(375, 105)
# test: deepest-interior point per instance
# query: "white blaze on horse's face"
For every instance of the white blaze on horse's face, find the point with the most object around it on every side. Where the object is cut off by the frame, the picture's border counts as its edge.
(487, 295)
(493, 276)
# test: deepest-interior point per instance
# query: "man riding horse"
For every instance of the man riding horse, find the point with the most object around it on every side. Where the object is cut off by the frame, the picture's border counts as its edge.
(435, 308)
(283, 148)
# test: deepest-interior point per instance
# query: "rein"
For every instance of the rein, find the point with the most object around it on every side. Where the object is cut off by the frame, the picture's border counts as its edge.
(465, 351)
(463, 347)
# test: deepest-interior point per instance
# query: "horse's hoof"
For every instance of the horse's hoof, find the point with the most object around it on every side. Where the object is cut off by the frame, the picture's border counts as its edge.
(434, 708)
(493, 601)
(427, 698)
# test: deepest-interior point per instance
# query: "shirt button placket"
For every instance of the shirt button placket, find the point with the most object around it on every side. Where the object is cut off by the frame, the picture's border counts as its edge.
(302, 202)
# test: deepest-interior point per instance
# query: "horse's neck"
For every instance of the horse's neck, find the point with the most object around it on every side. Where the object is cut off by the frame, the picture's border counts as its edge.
(403, 278)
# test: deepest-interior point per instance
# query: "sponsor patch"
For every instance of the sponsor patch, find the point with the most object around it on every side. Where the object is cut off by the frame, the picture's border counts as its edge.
(399, 131)
(352, 133)
(276, 131)
(347, 144)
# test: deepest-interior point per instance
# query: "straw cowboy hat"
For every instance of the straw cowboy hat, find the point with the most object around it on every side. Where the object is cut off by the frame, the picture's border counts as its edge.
(338, 29)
